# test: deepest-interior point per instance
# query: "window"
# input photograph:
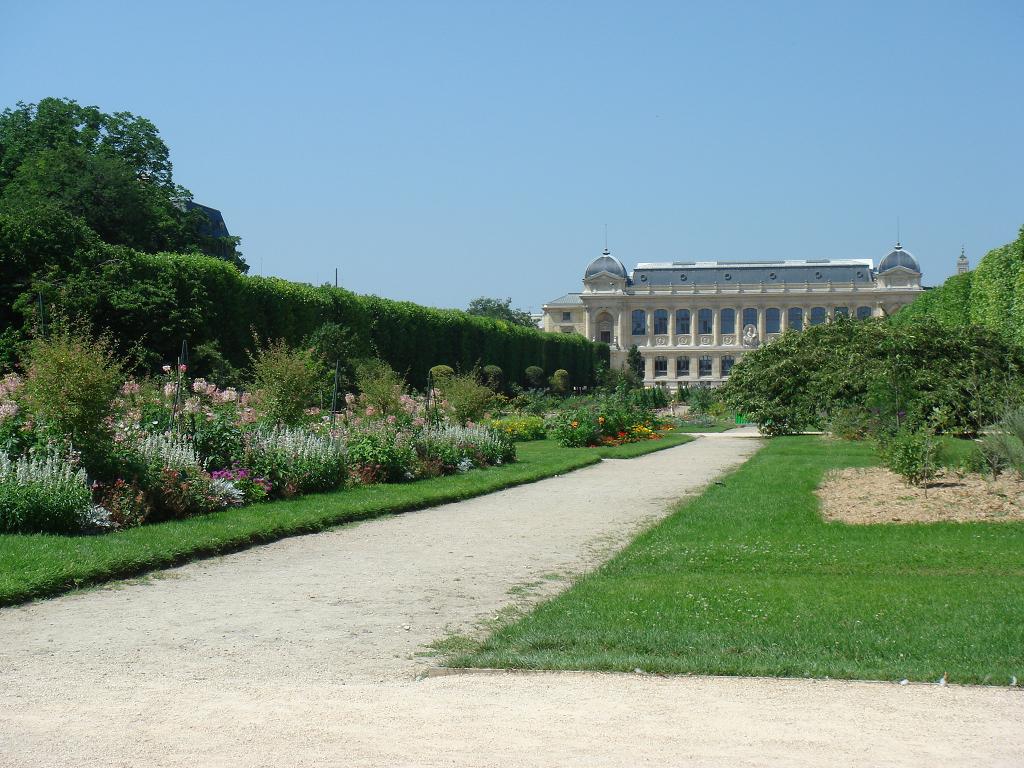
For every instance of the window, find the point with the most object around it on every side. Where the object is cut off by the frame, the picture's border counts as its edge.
(749, 317)
(639, 322)
(682, 321)
(819, 315)
(566, 317)
(704, 366)
(772, 320)
(660, 366)
(682, 366)
(796, 318)
(704, 321)
(841, 312)
(727, 363)
(661, 321)
(606, 337)
(863, 313)
(728, 321)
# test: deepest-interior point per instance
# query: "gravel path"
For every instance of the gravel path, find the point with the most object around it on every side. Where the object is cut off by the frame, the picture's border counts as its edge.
(305, 652)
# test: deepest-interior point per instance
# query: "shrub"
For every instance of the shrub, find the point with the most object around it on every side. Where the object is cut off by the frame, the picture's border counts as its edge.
(702, 399)
(850, 423)
(294, 460)
(467, 399)
(458, 448)
(69, 391)
(560, 381)
(520, 428)
(1003, 446)
(42, 494)
(494, 377)
(184, 492)
(253, 488)
(285, 381)
(439, 372)
(535, 377)
(911, 454)
(126, 503)
(379, 453)
(381, 387)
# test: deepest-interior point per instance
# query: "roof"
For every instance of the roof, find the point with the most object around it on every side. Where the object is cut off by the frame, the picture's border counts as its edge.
(605, 263)
(899, 258)
(568, 300)
(782, 271)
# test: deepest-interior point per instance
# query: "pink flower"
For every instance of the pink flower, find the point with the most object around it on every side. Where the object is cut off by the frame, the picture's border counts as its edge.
(229, 395)
(130, 387)
(370, 410)
(170, 389)
(418, 422)
(182, 368)
(8, 410)
(391, 419)
(199, 386)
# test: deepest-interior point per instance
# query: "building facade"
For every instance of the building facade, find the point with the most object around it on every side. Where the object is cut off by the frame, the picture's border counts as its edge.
(692, 321)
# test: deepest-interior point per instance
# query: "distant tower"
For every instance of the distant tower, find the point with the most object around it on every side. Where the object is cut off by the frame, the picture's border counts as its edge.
(962, 265)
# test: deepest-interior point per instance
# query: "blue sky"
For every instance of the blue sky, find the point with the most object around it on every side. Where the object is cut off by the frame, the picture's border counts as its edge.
(438, 151)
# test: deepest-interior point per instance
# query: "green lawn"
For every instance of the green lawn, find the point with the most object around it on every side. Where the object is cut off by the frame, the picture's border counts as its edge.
(721, 426)
(37, 566)
(747, 579)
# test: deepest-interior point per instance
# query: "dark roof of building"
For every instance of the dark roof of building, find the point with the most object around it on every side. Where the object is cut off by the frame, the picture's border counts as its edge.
(605, 263)
(215, 225)
(769, 272)
(899, 258)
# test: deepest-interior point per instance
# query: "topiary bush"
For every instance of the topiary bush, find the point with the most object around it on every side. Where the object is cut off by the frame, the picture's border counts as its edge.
(535, 377)
(439, 372)
(560, 382)
(494, 377)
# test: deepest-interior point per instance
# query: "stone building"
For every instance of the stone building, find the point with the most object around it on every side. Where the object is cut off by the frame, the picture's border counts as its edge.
(692, 320)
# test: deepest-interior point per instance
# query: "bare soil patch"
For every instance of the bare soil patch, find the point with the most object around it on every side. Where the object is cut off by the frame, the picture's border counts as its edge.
(875, 495)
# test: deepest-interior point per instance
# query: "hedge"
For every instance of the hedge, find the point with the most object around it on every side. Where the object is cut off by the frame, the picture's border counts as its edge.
(154, 301)
(992, 295)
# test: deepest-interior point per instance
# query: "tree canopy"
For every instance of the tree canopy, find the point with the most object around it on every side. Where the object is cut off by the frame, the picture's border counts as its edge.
(500, 310)
(110, 171)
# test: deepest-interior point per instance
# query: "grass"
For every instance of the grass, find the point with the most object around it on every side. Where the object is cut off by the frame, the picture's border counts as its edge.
(34, 566)
(720, 426)
(747, 579)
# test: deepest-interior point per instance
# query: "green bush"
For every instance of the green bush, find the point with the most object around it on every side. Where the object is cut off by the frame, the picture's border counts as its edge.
(468, 400)
(295, 461)
(911, 454)
(69, 391)
(535, 377)
(494, 377)
(380, 387)
(560, 381)
(439, 372)
(285, 381)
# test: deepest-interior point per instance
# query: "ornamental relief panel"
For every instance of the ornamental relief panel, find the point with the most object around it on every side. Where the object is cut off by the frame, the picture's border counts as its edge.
(706, 339)
(728, 340)
(682, 341)
(661, 341)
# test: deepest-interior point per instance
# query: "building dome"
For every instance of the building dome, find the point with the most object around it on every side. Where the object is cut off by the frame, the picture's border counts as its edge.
(899, 258)
(605, 263)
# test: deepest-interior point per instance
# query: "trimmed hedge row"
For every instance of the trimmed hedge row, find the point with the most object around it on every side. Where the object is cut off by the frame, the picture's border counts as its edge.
(155, 301)
(991, 296)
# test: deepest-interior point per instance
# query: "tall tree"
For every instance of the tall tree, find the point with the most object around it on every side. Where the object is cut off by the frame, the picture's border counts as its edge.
(500, 310)
(112, 171)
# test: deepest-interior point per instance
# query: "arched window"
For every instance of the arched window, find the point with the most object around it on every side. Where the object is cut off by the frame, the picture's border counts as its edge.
(772, 320)
(863, 313)
(660, 366)
(704, 366)
(749, 317)
(661, 321)
(704, 322)
(818, 315)
(727, 363)
(639, 322)
(841, 312)
(728, 320)
(796, 318)
(682, 366)
(682, 321)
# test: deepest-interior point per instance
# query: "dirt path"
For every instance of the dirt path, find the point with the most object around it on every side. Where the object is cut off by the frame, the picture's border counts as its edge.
(304, 652)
